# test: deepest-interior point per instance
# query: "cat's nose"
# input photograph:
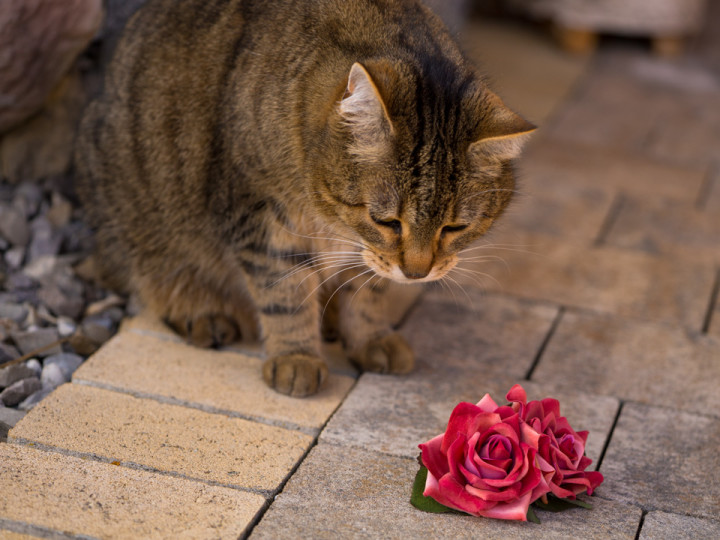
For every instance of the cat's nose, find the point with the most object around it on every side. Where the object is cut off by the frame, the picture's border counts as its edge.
(414, 272)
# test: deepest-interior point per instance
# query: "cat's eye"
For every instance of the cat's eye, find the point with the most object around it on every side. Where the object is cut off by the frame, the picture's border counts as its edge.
(453, 228)
(393, 224)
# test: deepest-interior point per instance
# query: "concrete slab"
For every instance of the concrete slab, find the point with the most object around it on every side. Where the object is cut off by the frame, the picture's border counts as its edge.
(603, 279)
(177, 440)
(393, 417)
(661, 525)
(85, 497)
(366, 495)
(645, 362)
(663, 459)
(216, 381)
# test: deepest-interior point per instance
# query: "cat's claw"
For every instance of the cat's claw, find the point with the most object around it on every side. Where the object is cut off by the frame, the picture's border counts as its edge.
(297, 375)
(386, 354)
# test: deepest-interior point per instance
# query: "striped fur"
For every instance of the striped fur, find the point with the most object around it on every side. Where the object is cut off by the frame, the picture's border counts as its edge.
(255, 166)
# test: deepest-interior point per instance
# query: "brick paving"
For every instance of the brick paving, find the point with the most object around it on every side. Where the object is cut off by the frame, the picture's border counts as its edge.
(607, 299)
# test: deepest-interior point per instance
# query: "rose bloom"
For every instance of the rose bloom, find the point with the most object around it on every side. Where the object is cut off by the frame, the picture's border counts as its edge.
(481, 465)
(560, 449)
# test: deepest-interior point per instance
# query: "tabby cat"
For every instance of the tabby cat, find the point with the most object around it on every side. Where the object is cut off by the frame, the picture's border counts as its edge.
(256, 166)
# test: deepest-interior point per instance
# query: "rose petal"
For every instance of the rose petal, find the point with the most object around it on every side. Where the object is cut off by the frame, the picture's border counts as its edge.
(516, 509)
(493, 494)
(433, 458)
(487, 404)
(467, 419)
(451, 493)
(517, 395)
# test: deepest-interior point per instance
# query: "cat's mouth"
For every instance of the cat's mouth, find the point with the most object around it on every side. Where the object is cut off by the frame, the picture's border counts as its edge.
(388, 269)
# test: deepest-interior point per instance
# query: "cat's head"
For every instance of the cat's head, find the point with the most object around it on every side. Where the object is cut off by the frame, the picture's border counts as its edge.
(424, 168)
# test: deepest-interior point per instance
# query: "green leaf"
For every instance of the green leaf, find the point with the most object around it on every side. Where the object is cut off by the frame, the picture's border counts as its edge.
(531, 515)
(420, 501)
(555, 504)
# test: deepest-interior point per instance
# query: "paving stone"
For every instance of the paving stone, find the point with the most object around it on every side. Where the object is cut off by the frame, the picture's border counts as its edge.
(605, 279)
(168, 438)
(366, 495)
(85, 497)
(634, 361)
(605, 168)
(225, 381)
(394, 416)
(662, 459)
(558, 207)
(661, 525)
(667, 227)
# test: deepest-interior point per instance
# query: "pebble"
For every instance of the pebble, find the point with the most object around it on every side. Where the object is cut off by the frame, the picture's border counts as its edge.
(7, 353)
(18, 391)
(66, 326)
(34, 398)
(35, 365)
(67, 362)
(98, 328)
(12, 374)
(15, 312)
(45, 240)
(52, 376)
(30, 341)
(28, 196)
(8, 419)
(62, 302)
(13, 225)
(14, 257)
(41, 267)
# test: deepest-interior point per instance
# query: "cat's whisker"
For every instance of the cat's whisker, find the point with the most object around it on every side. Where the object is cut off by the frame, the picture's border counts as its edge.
(361, 286)
(502, 247)
(484, 258)
(471, 273)
(315, 261)
(343, 269)
(340, 264)
(322, 316)
(472, 305)
(444, 281)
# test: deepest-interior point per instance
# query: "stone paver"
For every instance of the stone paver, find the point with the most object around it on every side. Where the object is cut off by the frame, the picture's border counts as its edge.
(663, 459)
(377, 490)
(666, 226)
(77, 496)
(602, 167)
(661, 525)
(645, 362)
(218, 381)
(178, 440)
(605, 279)
(394, 416)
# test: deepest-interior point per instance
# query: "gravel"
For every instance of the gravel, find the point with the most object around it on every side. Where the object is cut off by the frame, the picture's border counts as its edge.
(51, 318)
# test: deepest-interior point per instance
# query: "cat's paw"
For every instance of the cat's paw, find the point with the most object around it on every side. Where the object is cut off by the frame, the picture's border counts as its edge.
(296, 375)
(206, 330)
(386, 354)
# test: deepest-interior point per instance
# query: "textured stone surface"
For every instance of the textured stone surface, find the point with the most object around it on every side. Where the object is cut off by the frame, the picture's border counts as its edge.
(602, 167)
(666, 226)
(14, 373)
(366, 495)
(33, 340)
(18, 391)
(661, 525)
(118, 427)
(394, 416)
(85, 497)
(606, 279)
(204, 378)
(634, 361)
(663, 459)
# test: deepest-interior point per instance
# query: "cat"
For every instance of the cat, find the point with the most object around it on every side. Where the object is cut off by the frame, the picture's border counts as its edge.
(271, 166)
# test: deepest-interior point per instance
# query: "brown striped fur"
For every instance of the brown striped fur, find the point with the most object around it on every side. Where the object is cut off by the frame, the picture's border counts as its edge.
(248, 159)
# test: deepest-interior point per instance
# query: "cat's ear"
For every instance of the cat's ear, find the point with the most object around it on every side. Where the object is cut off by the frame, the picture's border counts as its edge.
(504, 132)
(364, 111)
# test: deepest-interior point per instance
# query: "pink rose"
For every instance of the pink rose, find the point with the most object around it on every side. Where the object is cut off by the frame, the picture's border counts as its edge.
(481, 465)
(560, 449)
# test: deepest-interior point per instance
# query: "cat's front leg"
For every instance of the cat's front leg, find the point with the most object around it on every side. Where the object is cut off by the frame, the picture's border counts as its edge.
(368, 314)
(289, 315)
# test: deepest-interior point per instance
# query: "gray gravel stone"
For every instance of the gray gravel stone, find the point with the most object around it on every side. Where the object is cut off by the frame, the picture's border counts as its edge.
(45, 240)
(14, 373)
(62, 302)
(16, 312)
(7, 353)
(367, 495)
(53, 376)
(17, 392)
(67, 362)
(32, 340)
(98, 328)
(27, 198)
(13, 225)
(661, 525)
(34, 398)
(8, 419)
(66, 326)
(15, 256)
(35, 365)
